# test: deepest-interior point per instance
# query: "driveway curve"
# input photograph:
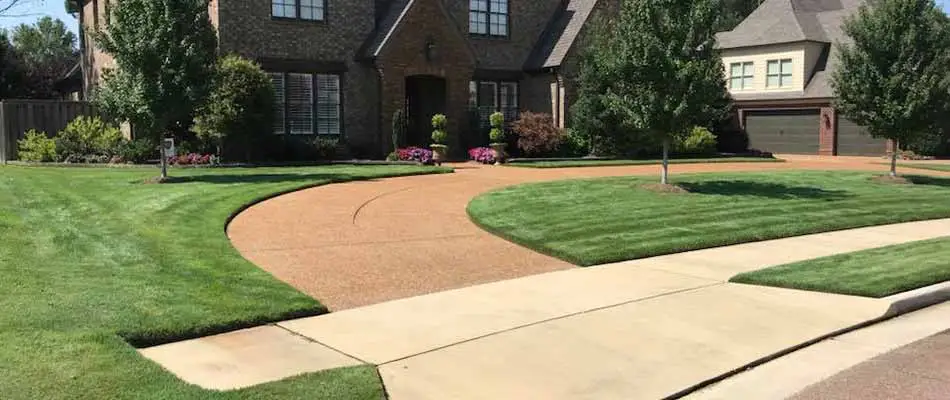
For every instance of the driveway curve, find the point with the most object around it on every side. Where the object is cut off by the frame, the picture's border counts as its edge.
(360, 243)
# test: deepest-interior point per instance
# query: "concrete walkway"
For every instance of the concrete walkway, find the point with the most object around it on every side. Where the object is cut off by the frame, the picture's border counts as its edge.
(362, 243)
(647, 329)
(905, 358)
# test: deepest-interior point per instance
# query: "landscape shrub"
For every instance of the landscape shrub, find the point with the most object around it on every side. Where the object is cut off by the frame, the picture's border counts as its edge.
(497, 133)
(416, 154)
(138, 151)
(36, 147)
(484, 155)
(439, 135)
(699, 141)
(239, 110)
(537, 135)
(89, 140)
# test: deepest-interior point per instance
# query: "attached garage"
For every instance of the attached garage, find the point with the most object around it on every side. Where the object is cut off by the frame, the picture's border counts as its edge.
(853, 140)
(783, 131)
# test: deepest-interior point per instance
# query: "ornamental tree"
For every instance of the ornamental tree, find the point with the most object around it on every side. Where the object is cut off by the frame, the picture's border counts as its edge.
(165, 53)
(892, 74)
(48, 51)
(659, 71)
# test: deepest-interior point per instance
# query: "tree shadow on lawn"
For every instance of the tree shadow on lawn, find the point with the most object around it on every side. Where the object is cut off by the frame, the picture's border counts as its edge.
(928, 180)
(764, 189)
(225, 179)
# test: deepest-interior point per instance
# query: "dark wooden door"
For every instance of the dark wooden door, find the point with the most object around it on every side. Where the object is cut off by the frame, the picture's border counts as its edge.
(425, 97)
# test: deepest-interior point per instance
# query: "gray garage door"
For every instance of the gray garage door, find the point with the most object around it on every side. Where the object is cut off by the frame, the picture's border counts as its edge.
(785, 131)
(853, 140)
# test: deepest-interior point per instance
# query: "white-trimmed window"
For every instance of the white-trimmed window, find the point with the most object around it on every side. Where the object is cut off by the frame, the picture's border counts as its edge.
(779, 73)
(741, 75)
(307, 103)
(488, 17)
(308, 10)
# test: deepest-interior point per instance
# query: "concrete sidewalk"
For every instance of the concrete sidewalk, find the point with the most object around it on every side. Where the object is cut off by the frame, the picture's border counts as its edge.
(639, 329)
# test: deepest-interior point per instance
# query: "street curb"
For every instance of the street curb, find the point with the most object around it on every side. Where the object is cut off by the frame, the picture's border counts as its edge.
(903, 303)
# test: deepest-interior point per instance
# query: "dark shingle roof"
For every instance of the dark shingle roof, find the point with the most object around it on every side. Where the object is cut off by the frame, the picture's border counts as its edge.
(389, 22)
(560, 35)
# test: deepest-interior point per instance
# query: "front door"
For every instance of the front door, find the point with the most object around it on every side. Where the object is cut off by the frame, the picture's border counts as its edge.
(425, 97)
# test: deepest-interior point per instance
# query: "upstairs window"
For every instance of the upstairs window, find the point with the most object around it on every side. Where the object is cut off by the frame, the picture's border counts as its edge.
(779, 74)
(488, 17)
(308, 10)
(741, 75)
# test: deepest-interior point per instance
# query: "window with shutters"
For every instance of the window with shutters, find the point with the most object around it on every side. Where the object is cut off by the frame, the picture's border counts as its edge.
(307, 104)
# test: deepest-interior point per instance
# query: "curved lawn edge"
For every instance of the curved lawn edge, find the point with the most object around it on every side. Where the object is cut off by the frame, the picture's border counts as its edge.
(244, 207)
(837, 225)
(140, 339)
(581, 163)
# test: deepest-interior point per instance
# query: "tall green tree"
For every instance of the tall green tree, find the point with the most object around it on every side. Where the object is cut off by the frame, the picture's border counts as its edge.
(12, 75)
(892, 76)
(48, 51)
(734, 12)
(165, 52)
(659, 72)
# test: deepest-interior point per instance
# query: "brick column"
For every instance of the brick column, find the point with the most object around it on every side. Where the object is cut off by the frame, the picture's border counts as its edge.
(828, 132)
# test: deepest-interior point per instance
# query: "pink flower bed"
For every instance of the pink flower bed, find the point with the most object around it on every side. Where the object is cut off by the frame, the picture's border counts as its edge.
(416, 154)
(191, 159)
(483, 155)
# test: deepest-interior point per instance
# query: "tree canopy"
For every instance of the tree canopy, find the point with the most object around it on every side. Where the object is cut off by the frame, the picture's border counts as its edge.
(11, 69)
(657, 73)
(48, 51)
(892, 75)
(165, 53)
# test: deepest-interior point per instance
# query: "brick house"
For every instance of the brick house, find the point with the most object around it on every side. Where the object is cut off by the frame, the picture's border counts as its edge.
(779, 62)
(341, 68)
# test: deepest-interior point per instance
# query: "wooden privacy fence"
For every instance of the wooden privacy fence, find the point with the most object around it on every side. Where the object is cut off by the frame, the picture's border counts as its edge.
(50, 116)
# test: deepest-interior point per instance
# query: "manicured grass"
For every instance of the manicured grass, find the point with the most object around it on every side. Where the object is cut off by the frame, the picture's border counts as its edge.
(90, 258)
(608, 163)
(871, 273)
(933, 167)
(595, 221)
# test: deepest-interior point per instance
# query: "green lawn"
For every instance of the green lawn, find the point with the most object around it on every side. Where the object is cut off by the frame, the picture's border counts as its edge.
(933, 167)
(608, 163)
(595, 221)
(90, 258)
(870, 273)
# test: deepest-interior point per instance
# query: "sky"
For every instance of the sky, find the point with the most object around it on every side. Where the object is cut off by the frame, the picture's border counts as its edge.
(34, 9)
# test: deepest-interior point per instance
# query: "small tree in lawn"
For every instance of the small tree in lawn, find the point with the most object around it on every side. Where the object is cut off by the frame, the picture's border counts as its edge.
(893, 78)
(240, 109)
(662, 74)
(165, 53)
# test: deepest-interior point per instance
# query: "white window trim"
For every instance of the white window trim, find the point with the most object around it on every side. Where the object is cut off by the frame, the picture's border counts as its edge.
(785, 78)
(743, 75)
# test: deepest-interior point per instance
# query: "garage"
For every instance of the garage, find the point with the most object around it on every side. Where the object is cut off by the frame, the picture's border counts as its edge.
(853, 140)
(783, 131)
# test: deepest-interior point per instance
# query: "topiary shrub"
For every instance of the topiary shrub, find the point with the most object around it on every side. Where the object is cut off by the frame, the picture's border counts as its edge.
(88, 139)
(537, 135)
(497, 133)
(699, 141)
(36, 147)
(399, 128)
(239, 112)
(439, 135)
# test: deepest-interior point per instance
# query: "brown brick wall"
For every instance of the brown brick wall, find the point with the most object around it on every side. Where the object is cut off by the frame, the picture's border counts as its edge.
(828, 131)
(527, 19)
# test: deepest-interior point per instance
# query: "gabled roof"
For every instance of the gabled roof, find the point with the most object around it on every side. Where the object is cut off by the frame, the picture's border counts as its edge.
(389, 22)
(560, 35)
(788, 21)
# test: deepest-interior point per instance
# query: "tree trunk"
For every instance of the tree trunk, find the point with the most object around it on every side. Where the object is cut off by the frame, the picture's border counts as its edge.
(665, 176)
(894, 163)
(164, 158)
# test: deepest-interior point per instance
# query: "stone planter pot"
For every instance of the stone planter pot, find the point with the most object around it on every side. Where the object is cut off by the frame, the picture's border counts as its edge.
(499, 150)
(439, 153)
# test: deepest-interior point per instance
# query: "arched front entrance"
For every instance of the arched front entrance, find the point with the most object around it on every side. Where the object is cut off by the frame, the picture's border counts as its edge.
(425, 97)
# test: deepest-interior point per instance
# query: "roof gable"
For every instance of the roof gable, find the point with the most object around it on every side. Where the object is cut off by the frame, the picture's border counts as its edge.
(787, 21)
(561, 34)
